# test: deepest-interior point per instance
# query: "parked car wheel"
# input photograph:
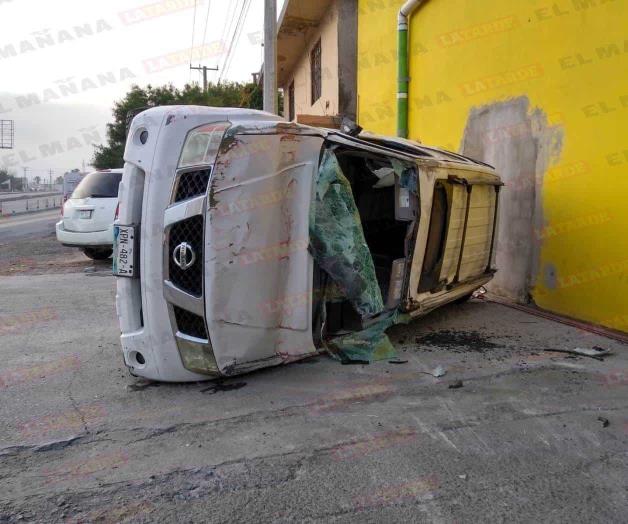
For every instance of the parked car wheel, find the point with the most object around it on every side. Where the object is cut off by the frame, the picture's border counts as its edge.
(97, 254)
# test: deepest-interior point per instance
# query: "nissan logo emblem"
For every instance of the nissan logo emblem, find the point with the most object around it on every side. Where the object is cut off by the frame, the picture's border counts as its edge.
(183, 255)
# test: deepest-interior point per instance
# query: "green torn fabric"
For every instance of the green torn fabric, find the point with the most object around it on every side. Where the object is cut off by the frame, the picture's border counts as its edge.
(370, 344)
(337, 239)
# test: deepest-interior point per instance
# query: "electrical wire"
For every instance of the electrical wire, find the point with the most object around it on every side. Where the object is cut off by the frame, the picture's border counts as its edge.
(236, 36)
(192, 44)
(230, 14)
(209, 5)
(226, 33)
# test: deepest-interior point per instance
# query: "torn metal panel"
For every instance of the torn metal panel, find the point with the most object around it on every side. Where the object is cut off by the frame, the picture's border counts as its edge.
(259, 274)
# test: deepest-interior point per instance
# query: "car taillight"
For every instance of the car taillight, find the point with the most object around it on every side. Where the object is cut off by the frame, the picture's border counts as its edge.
(115, 216)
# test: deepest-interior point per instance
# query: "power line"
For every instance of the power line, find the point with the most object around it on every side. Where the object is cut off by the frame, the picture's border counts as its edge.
(192, 44)
(209, 5)
(230, 13)
(227, 33)
(236, 36)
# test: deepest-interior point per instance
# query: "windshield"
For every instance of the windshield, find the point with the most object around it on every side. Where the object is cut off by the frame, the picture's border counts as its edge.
(98, 185)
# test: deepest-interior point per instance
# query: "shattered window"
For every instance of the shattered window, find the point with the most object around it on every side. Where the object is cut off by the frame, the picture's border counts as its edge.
(356, 239)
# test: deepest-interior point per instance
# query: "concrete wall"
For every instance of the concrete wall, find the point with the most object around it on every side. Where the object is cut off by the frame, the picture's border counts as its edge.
(540, 90)
(328, 103)
(27, 205)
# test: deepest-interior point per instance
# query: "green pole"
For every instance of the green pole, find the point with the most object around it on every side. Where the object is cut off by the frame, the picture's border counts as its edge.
(402, 81)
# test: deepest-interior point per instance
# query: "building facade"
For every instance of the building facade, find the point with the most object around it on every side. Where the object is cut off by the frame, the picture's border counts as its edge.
(316, 58)
(539, 89)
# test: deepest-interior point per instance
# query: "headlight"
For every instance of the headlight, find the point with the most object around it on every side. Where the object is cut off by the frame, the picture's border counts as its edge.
(202, 144)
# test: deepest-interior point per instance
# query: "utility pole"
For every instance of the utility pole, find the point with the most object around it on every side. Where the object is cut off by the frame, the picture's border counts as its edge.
(50, 179)
(270, 56)
(204, 69)
(25, 188)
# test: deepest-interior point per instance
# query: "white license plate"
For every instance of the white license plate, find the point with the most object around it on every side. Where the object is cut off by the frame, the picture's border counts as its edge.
(85, 213)
(124, 248)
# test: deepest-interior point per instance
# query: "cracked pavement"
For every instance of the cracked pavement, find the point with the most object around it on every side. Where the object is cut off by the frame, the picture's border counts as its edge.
(523, 439)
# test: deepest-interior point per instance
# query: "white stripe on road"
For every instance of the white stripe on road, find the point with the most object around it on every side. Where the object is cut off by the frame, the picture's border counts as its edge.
(7, 223)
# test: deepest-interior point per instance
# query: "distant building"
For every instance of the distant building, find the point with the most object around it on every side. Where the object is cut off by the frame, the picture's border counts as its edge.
(317, 59)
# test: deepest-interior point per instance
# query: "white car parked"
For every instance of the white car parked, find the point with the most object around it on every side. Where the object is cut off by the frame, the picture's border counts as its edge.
(88, 215)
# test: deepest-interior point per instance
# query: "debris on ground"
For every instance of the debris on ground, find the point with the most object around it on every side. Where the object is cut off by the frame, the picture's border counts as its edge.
(140, 386)
(605, 422)
(220, 386)
(369, 344)
(438, 371)
(479, 293)
(456, 384)
(595, 352)
(397, 361)
(458, 341)
(348, 362)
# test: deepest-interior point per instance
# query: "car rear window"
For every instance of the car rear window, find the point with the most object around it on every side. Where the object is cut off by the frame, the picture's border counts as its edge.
(98, 185)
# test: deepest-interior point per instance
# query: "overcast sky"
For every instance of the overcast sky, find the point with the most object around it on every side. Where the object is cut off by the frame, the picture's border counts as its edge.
(64, 62)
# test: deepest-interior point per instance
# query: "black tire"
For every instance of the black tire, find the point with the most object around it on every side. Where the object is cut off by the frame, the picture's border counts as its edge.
(97, 253)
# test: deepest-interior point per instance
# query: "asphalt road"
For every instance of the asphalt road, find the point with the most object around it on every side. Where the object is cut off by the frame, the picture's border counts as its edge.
(513, 432)
(28, 225)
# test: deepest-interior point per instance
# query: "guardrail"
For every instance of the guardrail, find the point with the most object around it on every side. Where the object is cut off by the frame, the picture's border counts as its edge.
(27, 205)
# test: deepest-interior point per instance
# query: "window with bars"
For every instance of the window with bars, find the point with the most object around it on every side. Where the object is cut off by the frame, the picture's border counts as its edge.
(315, 66)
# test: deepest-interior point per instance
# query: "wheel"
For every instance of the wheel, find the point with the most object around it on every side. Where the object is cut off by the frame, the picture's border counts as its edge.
(97, 253)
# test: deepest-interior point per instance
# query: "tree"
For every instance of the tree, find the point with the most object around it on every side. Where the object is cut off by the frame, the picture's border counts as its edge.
(231, 94)
(15, 184)
(4, 175)
(59, 180)
(37, 180)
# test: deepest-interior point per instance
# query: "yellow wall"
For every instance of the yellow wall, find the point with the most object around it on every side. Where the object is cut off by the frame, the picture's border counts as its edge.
(570, 58)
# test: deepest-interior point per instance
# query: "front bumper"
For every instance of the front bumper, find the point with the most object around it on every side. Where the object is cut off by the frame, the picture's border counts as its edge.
(84, 238)
(149, 351)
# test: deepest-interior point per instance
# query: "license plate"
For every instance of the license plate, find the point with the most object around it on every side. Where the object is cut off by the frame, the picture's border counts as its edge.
(85, 213)
(124, 249)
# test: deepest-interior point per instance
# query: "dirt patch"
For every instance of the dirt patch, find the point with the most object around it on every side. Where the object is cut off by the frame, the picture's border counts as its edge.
(457, 340)
(39, 256)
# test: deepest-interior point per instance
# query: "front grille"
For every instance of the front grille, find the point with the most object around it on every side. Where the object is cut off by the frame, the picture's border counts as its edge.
(190, 231)
(189, 323)
(192, 184)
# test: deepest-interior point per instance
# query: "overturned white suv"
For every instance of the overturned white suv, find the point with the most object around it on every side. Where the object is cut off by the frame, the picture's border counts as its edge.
(244, 241)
